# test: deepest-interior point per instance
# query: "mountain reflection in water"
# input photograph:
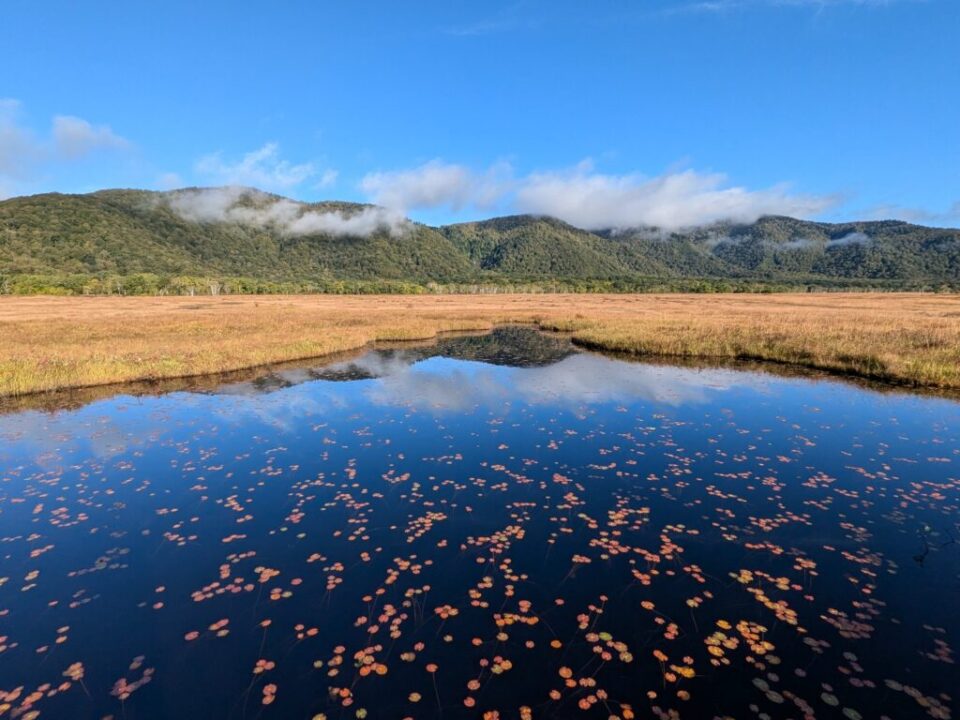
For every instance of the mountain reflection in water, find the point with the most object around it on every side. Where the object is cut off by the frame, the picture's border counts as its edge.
(495, 526)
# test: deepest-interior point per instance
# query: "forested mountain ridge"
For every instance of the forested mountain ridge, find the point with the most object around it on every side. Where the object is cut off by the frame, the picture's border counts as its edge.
(127, 231)
(776, 246)
(245, 233)
(773, 247)
(530, 246)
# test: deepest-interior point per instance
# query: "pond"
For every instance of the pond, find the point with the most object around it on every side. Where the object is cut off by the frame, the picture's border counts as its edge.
(495, 526)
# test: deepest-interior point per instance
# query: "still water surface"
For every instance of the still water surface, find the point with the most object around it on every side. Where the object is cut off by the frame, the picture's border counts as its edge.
(493, 525)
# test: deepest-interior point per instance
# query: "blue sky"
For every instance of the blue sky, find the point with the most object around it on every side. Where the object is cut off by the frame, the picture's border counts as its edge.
(638, 112)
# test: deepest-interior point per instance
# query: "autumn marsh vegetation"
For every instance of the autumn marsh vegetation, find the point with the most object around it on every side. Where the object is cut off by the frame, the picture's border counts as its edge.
(53, 343)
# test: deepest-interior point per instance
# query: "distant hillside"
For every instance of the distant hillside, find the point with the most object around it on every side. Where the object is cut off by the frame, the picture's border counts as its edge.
(131, 231)
(781, 247)
(527, 246)
(70, 243)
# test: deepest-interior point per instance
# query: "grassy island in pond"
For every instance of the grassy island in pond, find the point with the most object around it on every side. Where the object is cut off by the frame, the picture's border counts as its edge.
(55, 343)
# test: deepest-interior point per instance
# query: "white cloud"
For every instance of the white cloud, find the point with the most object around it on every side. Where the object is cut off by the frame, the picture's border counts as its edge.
(24, 153)
(682, 199)
(327, 179)
(262, 168)
(588, 199)
(794, 244)
(854, 238)
(11, 137)
(206, 204)
(236, 204)
(74, 137)
(362, 223)
(437, 184)
(19, 148)
(577, 380)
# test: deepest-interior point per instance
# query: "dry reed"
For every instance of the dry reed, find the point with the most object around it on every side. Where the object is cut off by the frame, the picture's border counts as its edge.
(53, 343)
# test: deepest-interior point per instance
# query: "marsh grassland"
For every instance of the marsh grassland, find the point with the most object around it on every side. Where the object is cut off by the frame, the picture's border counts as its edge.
(51, 343)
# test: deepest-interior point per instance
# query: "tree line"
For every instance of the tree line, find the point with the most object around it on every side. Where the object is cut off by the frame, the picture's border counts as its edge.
(150, 284)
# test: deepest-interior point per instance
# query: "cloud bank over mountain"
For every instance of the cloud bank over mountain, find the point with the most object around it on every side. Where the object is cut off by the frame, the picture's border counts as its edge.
(598, 201)
(581, 195)
(258, 209)
(589, 199)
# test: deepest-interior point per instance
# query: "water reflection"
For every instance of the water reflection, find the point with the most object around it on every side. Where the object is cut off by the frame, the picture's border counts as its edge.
(492, 525)
(577, 379)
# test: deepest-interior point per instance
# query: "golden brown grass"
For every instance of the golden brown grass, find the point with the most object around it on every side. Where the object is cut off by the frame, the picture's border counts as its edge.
(52, 343)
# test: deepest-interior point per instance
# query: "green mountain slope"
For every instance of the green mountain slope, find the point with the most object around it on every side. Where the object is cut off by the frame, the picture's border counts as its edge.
(528, 246)
(782, 247)
(245, 233)
(128, 231)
